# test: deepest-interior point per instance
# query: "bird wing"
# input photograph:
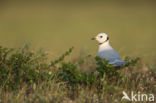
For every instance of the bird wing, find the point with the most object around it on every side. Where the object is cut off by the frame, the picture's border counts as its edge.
(118, 63)
(110, 55)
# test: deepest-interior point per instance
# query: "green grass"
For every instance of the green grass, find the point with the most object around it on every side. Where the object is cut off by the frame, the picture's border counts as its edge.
(28, 76)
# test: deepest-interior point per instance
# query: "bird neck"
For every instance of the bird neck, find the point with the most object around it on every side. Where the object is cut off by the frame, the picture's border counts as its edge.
(104, 46)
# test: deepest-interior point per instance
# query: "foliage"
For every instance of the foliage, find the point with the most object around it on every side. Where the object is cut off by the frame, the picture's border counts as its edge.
(24, 69)
(106, 69)
(24, 66)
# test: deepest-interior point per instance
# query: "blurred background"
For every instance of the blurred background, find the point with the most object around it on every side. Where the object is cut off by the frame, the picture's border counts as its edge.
(59, 25)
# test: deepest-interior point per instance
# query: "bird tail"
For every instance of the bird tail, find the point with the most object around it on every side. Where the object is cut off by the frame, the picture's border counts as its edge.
(118, 63)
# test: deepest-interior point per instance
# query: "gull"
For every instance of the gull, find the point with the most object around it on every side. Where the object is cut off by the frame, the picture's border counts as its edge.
(107, 52)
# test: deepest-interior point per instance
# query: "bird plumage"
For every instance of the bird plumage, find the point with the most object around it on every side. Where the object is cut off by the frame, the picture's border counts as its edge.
(107, 52)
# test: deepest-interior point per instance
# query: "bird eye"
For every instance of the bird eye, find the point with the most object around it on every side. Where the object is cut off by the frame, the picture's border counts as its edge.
(101, 36)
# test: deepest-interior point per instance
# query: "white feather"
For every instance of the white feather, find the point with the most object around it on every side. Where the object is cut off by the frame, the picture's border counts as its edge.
(107, 52)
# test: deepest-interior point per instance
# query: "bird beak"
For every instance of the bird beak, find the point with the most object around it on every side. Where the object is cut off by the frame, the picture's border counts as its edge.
(93, 38)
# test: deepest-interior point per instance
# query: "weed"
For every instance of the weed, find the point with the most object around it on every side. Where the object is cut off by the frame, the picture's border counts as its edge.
(24, 72)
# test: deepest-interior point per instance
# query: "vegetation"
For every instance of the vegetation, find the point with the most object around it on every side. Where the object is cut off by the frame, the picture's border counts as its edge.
(28, 76)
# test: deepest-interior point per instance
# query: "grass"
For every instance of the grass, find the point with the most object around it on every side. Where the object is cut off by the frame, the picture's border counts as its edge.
(28, 76)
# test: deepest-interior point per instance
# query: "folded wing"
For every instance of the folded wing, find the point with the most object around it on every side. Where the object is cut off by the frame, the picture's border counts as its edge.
(112, 56)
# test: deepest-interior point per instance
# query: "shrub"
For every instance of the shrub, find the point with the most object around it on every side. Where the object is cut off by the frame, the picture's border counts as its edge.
(30, 76)
(22, 66)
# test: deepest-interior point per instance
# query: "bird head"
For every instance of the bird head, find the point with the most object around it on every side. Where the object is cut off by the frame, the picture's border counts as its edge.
(101, 38)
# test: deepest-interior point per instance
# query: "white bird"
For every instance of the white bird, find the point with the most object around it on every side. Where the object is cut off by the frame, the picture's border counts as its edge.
(107, 52)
